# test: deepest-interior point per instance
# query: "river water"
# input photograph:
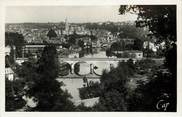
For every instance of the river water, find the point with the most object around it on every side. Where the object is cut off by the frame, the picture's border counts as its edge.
(99, 65)
(72, 85)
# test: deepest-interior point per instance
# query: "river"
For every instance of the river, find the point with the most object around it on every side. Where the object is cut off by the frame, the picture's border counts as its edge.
(72, 85)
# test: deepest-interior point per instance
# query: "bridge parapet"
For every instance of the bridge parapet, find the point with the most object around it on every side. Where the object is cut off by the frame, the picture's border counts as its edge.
(95, 65)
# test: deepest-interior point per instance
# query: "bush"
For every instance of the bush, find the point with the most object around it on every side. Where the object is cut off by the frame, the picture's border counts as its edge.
(91, 91)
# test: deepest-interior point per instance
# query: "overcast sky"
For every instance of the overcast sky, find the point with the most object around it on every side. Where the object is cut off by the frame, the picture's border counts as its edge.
(76, 14)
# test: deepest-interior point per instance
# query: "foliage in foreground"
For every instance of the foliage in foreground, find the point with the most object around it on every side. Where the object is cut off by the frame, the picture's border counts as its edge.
(40, 78)
(90, 91)
(113, 89)
(147, 96)
(13, 95)
(161, 21)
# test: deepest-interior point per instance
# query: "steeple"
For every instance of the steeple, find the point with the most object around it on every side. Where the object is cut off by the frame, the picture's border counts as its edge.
(66, 26)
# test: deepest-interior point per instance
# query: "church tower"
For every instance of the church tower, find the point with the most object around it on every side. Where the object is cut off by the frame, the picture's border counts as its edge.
(66, 26)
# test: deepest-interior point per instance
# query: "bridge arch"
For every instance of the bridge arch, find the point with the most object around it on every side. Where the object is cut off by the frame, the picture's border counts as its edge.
(92, 63)
(64, 68)
(82, 68)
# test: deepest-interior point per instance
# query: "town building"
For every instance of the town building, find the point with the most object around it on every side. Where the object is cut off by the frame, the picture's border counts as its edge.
(136, 54)
(150, 45)
(33, 48)
(9, 74)
(21, 60)
(7, 50)
(128, 41)
(129, 54)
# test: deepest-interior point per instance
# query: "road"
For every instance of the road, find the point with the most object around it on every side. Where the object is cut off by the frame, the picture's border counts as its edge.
(106, 59)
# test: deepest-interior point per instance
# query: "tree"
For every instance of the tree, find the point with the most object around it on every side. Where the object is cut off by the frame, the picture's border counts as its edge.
(138, 44)
(93, 38)
(161, 21)
(131, 67)
(116, 46)
(129, 30)
(171, 60)
(14, 102)
(45, 88)
(147, 96)
(113, 89)
(160, 52)
(72, 39)
(9, 59)
(148, 52)
(14, 40)
(66, 45)
(110, 27)
(81, 43)
(90, 91)
(108, 52)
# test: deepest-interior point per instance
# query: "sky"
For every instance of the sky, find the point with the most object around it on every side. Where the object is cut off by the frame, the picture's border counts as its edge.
(74, 14)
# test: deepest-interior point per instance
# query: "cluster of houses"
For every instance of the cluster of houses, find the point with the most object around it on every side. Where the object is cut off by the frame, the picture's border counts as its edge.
(35, 42)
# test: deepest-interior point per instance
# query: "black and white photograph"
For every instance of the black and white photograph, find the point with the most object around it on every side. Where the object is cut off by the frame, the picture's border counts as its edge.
(91, 58)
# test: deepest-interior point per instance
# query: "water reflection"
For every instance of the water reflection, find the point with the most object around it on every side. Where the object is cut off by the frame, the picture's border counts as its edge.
(73, 85)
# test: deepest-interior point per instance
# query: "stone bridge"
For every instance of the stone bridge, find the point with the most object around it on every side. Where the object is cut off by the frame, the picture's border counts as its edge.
(94, 68)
